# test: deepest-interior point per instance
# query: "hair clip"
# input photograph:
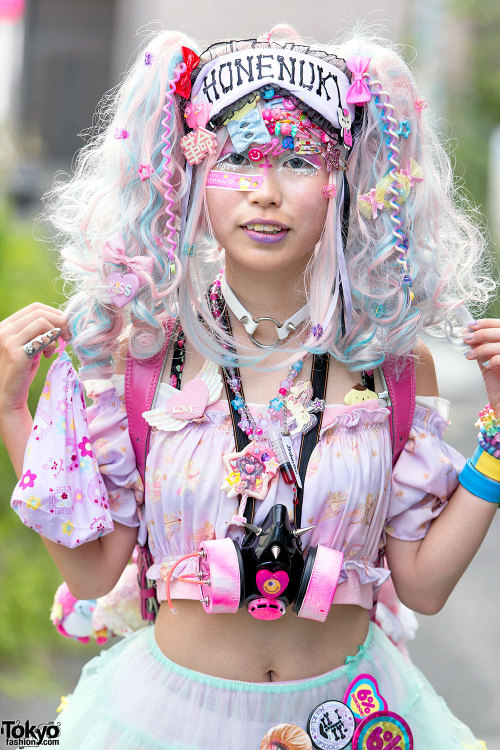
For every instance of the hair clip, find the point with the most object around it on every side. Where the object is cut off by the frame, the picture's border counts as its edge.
(404, 129)
(148, 58)
(189, 249)
(145, 171)
(358, 93)
(121, 133)
(420, 103)
(329, 191)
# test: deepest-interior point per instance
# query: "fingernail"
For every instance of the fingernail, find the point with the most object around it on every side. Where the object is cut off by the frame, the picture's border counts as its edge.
(472, 323)
(485, 364)
(468, 337)
(468, 353)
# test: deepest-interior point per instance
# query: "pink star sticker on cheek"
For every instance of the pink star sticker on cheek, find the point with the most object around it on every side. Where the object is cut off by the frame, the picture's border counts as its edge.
(145, 171)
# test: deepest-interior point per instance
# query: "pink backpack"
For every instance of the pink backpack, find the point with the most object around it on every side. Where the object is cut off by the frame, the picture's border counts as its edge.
(142, 381)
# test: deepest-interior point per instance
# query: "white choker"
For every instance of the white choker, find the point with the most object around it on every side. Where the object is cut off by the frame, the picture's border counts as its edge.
(283, 330)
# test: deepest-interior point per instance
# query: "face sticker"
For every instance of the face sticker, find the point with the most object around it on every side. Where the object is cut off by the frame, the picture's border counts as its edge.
(331, 725)
(231, 181)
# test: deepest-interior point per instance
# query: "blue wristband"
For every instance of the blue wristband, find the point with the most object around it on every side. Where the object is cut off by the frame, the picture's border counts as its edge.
(478, 484)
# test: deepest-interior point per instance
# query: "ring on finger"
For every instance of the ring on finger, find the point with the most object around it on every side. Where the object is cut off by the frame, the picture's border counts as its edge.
(31, 350)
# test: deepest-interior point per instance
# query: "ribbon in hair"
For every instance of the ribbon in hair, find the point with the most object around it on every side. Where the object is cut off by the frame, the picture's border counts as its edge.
(359, 92)
(113, 251)
(413, 172)
(191, 60)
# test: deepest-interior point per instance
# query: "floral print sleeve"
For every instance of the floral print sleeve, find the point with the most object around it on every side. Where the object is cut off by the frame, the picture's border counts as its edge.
(61, 493)
(425, 475)
(108, 429)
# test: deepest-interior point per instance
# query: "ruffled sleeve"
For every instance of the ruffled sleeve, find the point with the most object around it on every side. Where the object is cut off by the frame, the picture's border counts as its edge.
(112, 448)
(425, 475)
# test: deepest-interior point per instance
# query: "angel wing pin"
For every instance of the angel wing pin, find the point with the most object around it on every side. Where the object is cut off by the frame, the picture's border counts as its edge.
(189, 404)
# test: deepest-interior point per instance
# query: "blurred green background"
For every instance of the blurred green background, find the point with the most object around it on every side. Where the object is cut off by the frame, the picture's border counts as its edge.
(31, 651)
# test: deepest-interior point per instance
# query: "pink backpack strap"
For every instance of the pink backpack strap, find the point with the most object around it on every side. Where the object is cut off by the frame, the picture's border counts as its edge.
(402, 395)
(141, 381)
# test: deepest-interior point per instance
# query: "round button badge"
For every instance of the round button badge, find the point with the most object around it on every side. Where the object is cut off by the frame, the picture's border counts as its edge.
(385, 730)
(331, 725)
(255, 154)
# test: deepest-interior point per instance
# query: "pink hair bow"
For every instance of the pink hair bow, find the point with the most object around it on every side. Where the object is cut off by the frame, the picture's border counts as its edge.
(358, 93)
(113, 251)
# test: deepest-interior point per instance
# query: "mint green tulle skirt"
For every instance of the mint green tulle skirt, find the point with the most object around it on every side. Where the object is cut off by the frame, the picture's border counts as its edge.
(132, 697)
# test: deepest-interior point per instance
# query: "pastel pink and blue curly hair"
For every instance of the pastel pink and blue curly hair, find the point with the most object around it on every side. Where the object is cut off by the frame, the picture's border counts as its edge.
(106, 195)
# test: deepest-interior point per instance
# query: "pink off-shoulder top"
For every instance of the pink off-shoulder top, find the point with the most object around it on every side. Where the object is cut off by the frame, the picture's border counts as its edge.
(352, 496)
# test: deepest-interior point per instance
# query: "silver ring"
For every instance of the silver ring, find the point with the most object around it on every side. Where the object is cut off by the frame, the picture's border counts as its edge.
(31, 350)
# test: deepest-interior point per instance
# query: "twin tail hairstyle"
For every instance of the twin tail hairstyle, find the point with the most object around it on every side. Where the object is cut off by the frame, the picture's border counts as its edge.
(141, 123)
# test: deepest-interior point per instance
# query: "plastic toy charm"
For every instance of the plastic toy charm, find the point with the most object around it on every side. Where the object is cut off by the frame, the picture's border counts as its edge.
(249, 472)
(383, 730)
(331, 725)
(301, 406)
(197, 116)
(198, 144)
(345, 124)
(363, 697)
(358, 394)
(122, 288)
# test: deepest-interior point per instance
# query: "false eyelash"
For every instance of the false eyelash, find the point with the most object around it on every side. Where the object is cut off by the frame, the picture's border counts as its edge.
(228, 166)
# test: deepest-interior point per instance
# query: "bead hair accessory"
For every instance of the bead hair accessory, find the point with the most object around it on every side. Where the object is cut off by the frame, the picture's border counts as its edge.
(420, 103)
(283, 330)
(329, 191)
(148, 58)
(358, 93)
(489, 431)
(145, 171)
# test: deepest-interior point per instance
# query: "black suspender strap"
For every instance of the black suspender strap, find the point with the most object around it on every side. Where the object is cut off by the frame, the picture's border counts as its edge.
(319, 381)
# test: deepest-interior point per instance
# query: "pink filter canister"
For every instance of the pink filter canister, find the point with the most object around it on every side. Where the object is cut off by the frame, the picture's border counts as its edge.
(221, 567)
(322, 584)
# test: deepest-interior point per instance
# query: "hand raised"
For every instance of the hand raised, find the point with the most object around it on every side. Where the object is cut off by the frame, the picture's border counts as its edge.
(17, 370)
(483, 337)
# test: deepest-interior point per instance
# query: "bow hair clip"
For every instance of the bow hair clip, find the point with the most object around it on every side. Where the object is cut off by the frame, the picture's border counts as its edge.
(123, 286)
(191, 60)
(359, 92)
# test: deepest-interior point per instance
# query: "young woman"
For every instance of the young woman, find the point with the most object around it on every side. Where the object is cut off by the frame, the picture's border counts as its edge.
(255, 241)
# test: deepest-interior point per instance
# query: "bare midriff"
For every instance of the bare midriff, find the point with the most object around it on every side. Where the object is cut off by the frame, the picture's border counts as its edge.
(239, 647)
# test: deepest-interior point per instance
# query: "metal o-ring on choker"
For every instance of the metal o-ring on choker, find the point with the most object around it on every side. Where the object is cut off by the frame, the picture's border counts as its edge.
(288, 326)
